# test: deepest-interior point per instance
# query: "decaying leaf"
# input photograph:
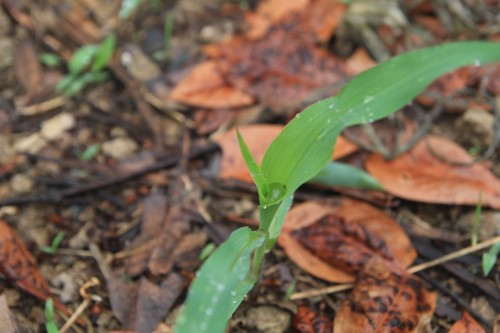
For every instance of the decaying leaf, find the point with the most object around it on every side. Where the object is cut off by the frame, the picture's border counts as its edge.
(308, 321)
(277, 61)
(420, 176)
(346, 235)
(385, 299)
(205, 87)
(466, 324)
(18, 266)
(258, 138)
(141, 305)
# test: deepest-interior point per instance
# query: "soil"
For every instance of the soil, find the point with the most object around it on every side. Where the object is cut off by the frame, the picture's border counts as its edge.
(44, 180)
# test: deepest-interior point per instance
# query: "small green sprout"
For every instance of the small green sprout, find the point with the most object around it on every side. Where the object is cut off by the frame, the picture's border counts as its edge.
(90, 152)
(52, 249)
(50, 324)
(86, 66)
(490, 258)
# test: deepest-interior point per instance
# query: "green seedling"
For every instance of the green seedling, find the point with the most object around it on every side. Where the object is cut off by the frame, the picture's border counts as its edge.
(476, 221)
(50, 59)
(90, 152)
(490, 258)
(300, 151)
(168, 30)
(50, 324)
(86, 66)
(55, 244)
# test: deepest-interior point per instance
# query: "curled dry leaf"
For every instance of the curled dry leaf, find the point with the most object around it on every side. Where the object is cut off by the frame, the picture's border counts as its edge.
(18, 266)
(385, 299)
(258, 138)
(420, 176)
(345, 236)
(466, 324)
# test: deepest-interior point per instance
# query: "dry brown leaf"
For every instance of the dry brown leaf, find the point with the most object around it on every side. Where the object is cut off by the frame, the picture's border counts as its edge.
(371, 221)
(258, 138)
(466, 324)
(205, 87)
(7, 322)
(308, 321)
(28, 72)
(18, 266)
(385, 299)
(418, 175)
(359, 62)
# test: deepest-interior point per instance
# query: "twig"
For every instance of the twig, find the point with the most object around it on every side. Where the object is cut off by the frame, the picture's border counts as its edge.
(55, 197)
(42, 107)
(411, 270)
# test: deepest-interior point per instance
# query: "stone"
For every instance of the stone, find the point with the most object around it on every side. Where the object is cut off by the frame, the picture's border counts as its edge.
(120, 147)
(476, 127)
(55, 127)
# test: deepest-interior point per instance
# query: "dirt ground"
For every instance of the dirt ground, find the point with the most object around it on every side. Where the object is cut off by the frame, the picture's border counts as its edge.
(157, 160)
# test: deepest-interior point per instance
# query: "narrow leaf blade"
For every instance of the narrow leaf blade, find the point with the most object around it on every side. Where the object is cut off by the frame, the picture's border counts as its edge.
(220, 285)
(253, 167)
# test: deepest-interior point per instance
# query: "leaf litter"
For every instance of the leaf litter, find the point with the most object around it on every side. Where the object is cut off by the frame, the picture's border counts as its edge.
(273, 29)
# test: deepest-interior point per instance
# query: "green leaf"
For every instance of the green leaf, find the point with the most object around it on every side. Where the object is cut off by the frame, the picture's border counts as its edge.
(54, 244)
(271, 220)
(90, 152)
(490, 258)
(82, 58)
(104, 53)
(50, 59)
(345, 175)
(127, 7)
(255, 171)
(220, 284)
(50, 325)
(305, 145)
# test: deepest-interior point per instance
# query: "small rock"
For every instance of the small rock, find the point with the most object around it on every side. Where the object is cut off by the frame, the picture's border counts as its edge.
(482, 306)
(30, 144)
(55, 127)
(21, 183)
(268, 319)
(119, 148)
(476, 127)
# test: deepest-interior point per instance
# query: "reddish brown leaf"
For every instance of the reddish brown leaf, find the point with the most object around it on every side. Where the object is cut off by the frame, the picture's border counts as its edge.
(385, 299)
(205, 87)
(19, 266)
(359, 61)
(308, 321)
(258, 138)
(418, 175)
(466, 324)
(28, 71)
(352, 232)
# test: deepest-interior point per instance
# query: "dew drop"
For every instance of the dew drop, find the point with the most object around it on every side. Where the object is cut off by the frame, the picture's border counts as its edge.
(368, 99)
(209, 312)
(297, 115)
(233, 293)
(220, 287)
(203, 326)
(477, 63)
(328, 121)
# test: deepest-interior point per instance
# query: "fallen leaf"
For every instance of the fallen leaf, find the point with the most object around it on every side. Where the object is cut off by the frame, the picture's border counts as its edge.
(7, 322)
(18, 266)
(277, 61)
(308, 321)
(141, 305)
(418, 175)
(366, 232)
(359, 62)
(258, 138)
(206, 87)
(385, 299)
(28, 72)
(466, 324)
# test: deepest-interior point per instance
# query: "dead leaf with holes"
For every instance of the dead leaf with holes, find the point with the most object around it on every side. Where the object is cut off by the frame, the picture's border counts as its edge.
(466, 324)
(386, 299)
(333, 242)
(419, 175)
(258, 138)
(277, 61)
(306, 320)
(18, 266)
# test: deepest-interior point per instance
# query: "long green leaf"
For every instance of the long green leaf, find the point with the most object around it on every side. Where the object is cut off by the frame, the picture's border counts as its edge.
(305, 145)
(220, 284)
(253, 167)
(345, 175)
